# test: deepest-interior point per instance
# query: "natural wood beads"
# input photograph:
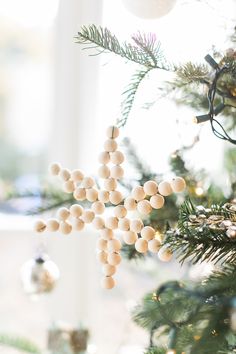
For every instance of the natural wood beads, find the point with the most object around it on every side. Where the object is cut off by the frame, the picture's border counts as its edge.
(88, 182)
(102, 245)
(65, 228)
(64, 174)
(104, 157)
(88, 216)
(108, 269)
(111, 222)
(148, 233)
(98, 207)
(103, 196)
(124, 224)
(154, 245)
(76, 210)
(115, 197)
(63, 213)
(110, 184)
(52, 225)
(150, 187)
(138, 193)
(130, 237)
(141, 245)
(120, 211)
(107, 283)
(77, 176)
(78, 224)
(117, 157)
(98, 223)
(80, 194)
(117, 172)
(114, 258)
(91, 194)
(144, 207)
(110, 145)
(165, 189)
(165, 254)
(39, 226)
(107, 234)
(69, 186)
(54, 169)
(157, 201)
(178, 184)
(136, 225)
(114, 245)
(112, 132)
(103, 171)
(130, 203)
(102, 257)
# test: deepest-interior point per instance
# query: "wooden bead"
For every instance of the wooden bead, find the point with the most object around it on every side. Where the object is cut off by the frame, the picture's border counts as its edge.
(157, 201)
(103, 196)
(110, 145)
(178, 184)
(102, 257)
(108, 269)
(98, 207)
(110, 184)
(148, 233)
(91, 194)
(102, 244)
(77, 176)
(141, 245)
(114, 245)
(98, 223)
(63, 213)
(117, 157)
(120, 211)
(69, 186)
(112, 132)
(65, 228)
(88, 182)
(64, 174)
(78, 224)
(54, 169)
(88, 216)
(117, 172)
(39, 226)
(103, 171)
(150, 187)
(76, 210)
(79, 193)
(124, 224)
(165, 254)
(104, 157)
(115, 197)
(138, 193)
(154, 245)
(52, 225)
(107, 283)
(130, 237)
(144, 207)
(111, 222)
(107, 234)
(136, 225)
(130, 203)
(165, 189)
(114, 258)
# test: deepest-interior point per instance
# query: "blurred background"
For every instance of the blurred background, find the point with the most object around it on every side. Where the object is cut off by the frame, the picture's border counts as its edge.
(55, 104)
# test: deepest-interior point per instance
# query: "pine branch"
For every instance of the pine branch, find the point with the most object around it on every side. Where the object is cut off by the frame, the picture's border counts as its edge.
(19, 343)
(190, 72)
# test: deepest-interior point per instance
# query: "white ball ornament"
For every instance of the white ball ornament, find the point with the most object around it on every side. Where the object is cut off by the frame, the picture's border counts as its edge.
(154, 245)
(148, 233)
(76, 210)
(157, 201)
(88, 182)
(136, 225)
(39, 226)
(149, 9)
(138, 193)
(141, 245)
(64, 174)
(79, 193)
(107, 234)
(178, 184)
(98, 207)
(107, 283)
(63, 213)
(91, 194)
(150, 187)
(110, 145)
(111, 222)
(115, 197)
(102, 257)
(144, 207)
(165, 254)
(69, 186)
(65, 228)
(110, 184)
(102, 245)
(130, 237)
(108, 269)
(114, 245)
(117, 157)
(88, 216)
(77, 176)
(165, 189)
(103, 196)
(52, 225)
(104, 157)
(103, 171)
(130, 203)
(78, 224)
(112, 132)
(117, 172)
(120, 211)
(98, 223)
(114, 258)
(124, 224)
(54, 169)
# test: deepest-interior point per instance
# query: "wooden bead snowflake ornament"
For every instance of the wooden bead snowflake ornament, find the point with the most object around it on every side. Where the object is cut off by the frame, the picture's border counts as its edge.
(143, 200)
